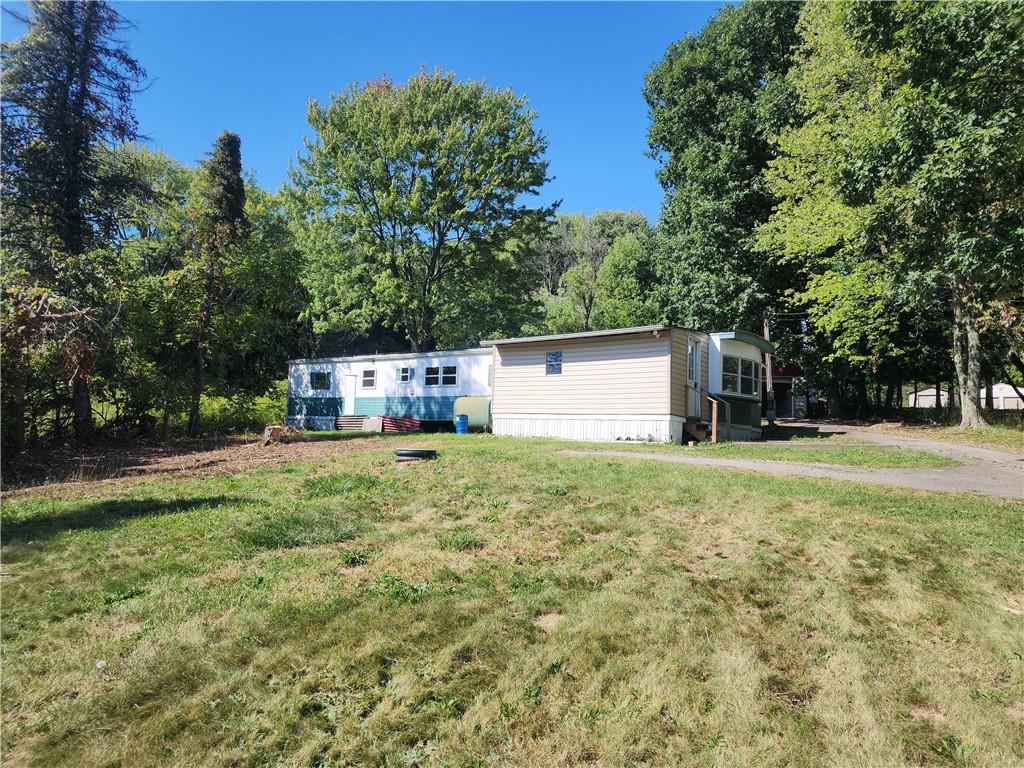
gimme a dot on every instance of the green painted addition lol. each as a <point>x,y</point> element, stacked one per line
<point>744,412</point>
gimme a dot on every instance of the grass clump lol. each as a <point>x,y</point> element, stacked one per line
<point>396,588</point>
<point>460,539</point>
<point>338,484</point>
<point>354,557</point>
<point>297,529</point>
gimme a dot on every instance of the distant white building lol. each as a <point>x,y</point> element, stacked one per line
<point>925,398</point>
<point>1004,398</point>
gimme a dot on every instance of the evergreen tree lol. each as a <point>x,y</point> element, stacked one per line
<point>221,221</point>
<point>67,99</point>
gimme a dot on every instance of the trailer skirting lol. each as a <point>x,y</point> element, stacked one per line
<point>598,427</point>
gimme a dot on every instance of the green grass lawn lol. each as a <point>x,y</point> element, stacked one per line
<point>816,451</point>
<point>510,605</point>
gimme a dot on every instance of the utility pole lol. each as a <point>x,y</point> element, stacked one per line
<point>769,386</point>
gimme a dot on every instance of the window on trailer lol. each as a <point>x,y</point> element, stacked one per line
<point>432,377</point>
<point>320,380</point>
<point>553,365</point>
<point>741,376</point>
<point>448,376</point>
<point>405,374</point>
<point>369,379</point>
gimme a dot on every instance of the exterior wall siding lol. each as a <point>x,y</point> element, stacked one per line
<point>625,375</point>
<point>424,408</point>
<point>680,353</point>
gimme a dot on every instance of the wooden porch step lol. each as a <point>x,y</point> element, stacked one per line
<point>349,423</point>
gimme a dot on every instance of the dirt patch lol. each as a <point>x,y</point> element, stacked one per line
<point>195,457</point>
<point>928,713</point>
<point>548,621</point>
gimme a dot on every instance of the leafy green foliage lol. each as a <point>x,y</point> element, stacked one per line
<point>715,99</point>
<point>407,204</point>
<point>602,270</point>
<point>906,165</point>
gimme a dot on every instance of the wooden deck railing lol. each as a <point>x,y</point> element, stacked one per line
<point>716,403</point>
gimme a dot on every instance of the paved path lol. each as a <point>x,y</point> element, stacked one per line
<point>985,471</point>
<point>961,451</point>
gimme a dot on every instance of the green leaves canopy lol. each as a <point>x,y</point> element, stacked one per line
<point>409,206</point>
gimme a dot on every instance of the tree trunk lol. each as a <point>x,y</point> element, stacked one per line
<point>81,405</point>
<point>990,402</point>
<point>835,405</point>
<point>195,398</point>
<point>967,359</point>
<point>938,395</point>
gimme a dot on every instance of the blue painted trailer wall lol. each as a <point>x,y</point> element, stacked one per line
<point>424,408</point>
<point>315,406</point>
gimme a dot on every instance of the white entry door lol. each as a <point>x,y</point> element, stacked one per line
<point>693,379</point>
<point>348,394</point>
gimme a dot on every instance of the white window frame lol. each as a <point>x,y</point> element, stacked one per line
<point>406,374</point>
<point>373,378</point>
<point>445,375</point>
<point>553,363</point>
<point>436,376</point>
<point>327,381</point>
<point>732,367</point>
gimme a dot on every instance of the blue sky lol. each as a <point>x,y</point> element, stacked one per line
<point>251,67</point>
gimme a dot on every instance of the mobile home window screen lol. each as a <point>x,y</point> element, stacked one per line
<point>433,376</point>
<point>448,376</point>
<point>369,379</point>
<point>553,364</point>
<point>320,380</point>
<point>741,376</point>
<point>405,374</point>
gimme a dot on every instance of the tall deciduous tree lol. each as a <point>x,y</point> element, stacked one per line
<point>909,159</point>
<point>408,202</point>
<point>573,255</point>
<point>68,85</point>
<point>715,98</point>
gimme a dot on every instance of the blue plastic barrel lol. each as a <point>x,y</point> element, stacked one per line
<point>462,424</point>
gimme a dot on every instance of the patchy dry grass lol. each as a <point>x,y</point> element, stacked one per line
<point>509,605</point>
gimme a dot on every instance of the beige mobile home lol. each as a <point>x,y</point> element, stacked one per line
<point>643,384</point>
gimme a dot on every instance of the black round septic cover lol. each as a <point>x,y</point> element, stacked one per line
<point>415,453</point>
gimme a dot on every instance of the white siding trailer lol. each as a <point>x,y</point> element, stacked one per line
<point>421,385</point>
<point>644,384</point>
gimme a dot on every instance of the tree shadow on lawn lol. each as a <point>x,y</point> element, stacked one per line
<point>794,432</point>
<point>104,514</point>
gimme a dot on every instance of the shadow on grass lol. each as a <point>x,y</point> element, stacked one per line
<point>106,514</point>
<point>788,432</point>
